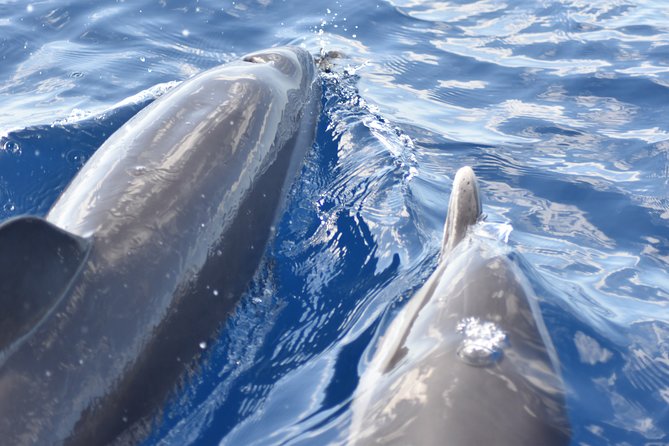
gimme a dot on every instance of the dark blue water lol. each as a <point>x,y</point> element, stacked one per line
<point>560,106</point>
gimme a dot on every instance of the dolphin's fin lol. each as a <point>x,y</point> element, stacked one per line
<point>37,263</point>
<point>464,208</point>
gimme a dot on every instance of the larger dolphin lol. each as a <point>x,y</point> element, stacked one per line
<point>468,361</point>
<point>106,302</point>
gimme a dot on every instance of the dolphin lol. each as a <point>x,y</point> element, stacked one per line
<point>468,360</point>
<point>109,300</point>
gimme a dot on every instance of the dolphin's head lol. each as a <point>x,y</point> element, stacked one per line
<point>464,208</point>
<point>292,61</point>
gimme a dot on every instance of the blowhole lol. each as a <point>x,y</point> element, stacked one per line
<point>254,59</point>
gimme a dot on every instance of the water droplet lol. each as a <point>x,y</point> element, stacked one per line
<point>142,59</point>
<point>30,8</point>
<point>76,157</point>
<point>215,292</point>
<point>203,345</point>
<point>48,373</point>
<point>256,300</point>
<point>185,33</point>
<point>482,342</point>
<point>12,147</point>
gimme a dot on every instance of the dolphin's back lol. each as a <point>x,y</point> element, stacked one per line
<point>431,390</point>
<point>239,112</point>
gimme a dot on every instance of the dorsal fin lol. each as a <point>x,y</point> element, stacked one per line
<point>37,262</point>
<point>464,208</point>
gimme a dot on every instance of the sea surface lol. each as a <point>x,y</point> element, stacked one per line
<point>561,108</point>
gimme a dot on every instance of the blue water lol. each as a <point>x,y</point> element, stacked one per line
<point>560,106</point>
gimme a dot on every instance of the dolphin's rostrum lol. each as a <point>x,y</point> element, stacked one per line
<point>468,360</point>
<point>107,301</point>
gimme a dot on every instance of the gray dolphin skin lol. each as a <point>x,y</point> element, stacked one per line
<point>107,302</point>
<point>468,360</point>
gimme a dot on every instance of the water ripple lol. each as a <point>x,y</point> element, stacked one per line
<point>560,107</point>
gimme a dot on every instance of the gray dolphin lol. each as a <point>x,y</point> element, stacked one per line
<point>107,302</point>
<point>467,361</point>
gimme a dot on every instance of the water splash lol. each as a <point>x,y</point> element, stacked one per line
<point>482,342</point>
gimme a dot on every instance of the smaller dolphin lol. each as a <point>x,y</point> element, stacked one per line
<point>468,360</point>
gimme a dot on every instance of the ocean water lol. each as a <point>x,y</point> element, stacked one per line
<point>559,106</point>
